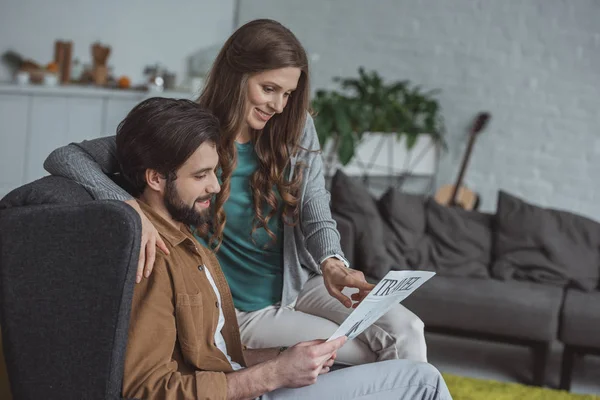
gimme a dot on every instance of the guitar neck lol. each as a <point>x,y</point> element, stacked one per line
<point>463,168</point>
<point>480,122</point>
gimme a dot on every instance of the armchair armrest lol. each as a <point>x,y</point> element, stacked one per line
<point>67,273</point>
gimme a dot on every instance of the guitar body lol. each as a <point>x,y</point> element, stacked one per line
<point>458,195</point>
<point>465,197</point>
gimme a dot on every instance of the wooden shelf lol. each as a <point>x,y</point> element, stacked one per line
<point>87,91</point>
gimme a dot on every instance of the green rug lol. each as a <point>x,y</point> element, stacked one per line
<point>463,388</point>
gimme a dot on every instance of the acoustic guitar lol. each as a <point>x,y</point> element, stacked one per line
<point>458,195</point>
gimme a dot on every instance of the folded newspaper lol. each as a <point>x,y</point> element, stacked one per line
<point>391,290</point>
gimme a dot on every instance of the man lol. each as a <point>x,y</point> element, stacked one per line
<point>184,341</point>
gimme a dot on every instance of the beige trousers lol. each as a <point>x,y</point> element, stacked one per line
<point>399,334</point>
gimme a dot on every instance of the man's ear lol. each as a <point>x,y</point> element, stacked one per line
<point>155,180</point>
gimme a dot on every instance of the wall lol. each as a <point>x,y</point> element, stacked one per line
<point>139,32</point>
<point>535,65</point>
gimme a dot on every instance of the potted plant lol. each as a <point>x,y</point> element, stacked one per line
<point>367,105</point>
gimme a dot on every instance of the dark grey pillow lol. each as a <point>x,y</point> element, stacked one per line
<point>404,215</point>
<point>352,200</point>
<point>545,245</point>
<point>460,241</point>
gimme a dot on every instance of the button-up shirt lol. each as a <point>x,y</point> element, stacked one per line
<point>171,351</point>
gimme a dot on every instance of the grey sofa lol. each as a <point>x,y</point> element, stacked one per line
<point>67,271</point>
<point>524,275</point>
<point>579,330</point>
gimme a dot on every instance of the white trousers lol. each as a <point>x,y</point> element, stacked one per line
<point>399,334</point>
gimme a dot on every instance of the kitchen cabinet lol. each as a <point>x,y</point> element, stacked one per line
<point>34,120</point>
<point>13,140</point>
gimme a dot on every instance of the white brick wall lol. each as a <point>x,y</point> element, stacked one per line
<point>534,64</point>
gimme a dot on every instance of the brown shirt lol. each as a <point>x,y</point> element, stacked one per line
<point>171,352</point>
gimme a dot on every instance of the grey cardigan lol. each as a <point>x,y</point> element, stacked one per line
<point>305,246</point>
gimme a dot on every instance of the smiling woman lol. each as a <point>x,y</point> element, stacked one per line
<point>271,226</point>
<point>268,94</point>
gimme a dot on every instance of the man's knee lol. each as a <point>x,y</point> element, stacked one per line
<point>428,377</point>
<point>410,369</point>
<point>427,371</point>
<point>422,377</point>
<point>431,377</point>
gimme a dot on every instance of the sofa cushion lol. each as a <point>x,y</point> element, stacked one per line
<point>430,236</point>
<point>405,221</point>
<point>460,241</point>
<point>406,214</point>
<point>516,309</point>
<point>352,200</point>
<point>545,245</point>
<point>580,319</point>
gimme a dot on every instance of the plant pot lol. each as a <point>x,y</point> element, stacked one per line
<point>383,154</point>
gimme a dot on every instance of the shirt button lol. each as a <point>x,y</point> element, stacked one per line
<point>217,304</point>
<point>200,267</point>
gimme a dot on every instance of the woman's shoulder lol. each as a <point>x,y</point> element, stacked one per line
<point>309,140</point>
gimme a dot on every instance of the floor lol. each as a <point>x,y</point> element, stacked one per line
<point>502,362</point>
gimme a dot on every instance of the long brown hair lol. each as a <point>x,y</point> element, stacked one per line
<point>258,46</point>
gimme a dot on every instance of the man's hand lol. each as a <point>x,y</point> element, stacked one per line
<point>337,276</point>
<point>301,364</point>
<point>297,366</point>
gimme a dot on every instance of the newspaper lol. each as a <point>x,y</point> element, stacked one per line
<point>391,290</point>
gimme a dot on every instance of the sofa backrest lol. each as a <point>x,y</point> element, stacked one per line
<point>47,190</point>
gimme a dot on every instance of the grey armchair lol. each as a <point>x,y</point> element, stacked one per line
<point>67,272</point>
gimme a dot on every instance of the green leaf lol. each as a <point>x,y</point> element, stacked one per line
<point>346,149</point>
<point>397,89</point>
<point>323,125</point>
<point>342,119</point>
<point>411,140</point>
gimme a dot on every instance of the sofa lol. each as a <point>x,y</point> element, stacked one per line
<point>67,272</point>
<point>579,330</point>
<point>523,275</point>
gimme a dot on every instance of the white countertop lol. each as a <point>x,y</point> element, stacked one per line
<point>87,91</point>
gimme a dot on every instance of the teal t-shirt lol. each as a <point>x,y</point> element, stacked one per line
<point>254,272</point>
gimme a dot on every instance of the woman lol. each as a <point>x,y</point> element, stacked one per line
<point>278,246</point>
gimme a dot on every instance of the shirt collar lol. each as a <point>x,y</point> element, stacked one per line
<point>173,235</point>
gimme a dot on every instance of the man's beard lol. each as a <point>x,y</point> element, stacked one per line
<point>180,211</point>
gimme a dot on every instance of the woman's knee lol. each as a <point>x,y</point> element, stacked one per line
<point>416,325</point>
<point>405,336</point>
<point>403,322</point>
